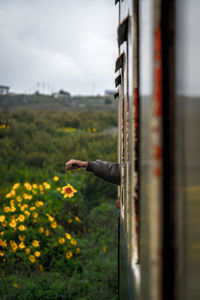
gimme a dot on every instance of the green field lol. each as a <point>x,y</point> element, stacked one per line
<point>71,242</point>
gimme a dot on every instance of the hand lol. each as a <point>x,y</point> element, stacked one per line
<point>75,164</point>
<point>117,203</point>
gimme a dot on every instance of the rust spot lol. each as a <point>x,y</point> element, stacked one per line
<point>158,91</point>
<point>157,171</point>
<point>158,152</point>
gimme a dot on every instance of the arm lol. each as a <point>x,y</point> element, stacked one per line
<point>106,170</point>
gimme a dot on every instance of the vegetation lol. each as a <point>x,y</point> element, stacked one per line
<point>58,229</point>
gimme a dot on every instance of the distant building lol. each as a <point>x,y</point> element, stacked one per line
<point>4,90</point>
<point>109,92</point>
<point>62,93</point>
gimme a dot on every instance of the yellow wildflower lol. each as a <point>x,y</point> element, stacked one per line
<point>35,215</point>
<point>3,243</point>
<point>27,213</point>
<point>73,242</point>
<point>21,245</point>
<point>58,189</point>
<point>12,202</point>
<point>15,186</point>
<point>2,218</point>
<point>13,245</point>
<point>78,250</point>
<point>46,185</point>
<point>69,221</point>
<point>19,199</point>
<point>32,258</point>
<point>41,268</point>
<point>37,253</point>
<point>16,285</point>
<point>13,224</point>
<point>39,203</point>
<point>27,250</point>
<point>41,230</point>
<point>61,241</point>
<point>6,209</point>
<point>36,243</point>
<point>21,218</point>
<point>2,253</point>
<point>12,209</point>
<point>32,208</point>
<point>27,197</point>
<point>68,191</point>
<point>68,236</point>
<point>54,225</point>
<point>69,254</point>
<point>2,233</point>
<point>22,227</point>
<point>28,186</point>
<point>21,237</point>
<point>34,186</point>
<point>77,219</point>
<point>104,249</point>
<point>5,223</point>
<point>56,178</point>
<point>47,232</point>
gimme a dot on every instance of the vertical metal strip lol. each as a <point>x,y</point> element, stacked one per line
<point>156,170</point>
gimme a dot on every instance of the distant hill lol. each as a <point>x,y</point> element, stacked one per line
<point>45,102</point>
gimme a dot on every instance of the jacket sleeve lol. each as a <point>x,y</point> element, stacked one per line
<point>106,170</point>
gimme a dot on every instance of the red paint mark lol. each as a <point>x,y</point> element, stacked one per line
<point>158,152</point>
<point>157,171</point>
<point>158,44</point>
<point>135,102</point>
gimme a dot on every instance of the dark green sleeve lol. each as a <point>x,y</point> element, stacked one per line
<point>106,170</point>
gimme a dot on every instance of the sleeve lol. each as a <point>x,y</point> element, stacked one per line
<point>106,170</point>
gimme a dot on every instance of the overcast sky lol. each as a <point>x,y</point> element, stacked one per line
<point>67,44</point>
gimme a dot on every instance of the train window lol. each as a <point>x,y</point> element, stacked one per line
<point>188,143</point>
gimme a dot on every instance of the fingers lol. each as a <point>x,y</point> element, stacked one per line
<point>72,164</point>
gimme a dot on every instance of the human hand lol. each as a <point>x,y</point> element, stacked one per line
<point>75,164</point>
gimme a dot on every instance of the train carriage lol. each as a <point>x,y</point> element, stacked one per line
<point>159,107</point>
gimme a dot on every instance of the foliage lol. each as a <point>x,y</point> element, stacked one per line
<point>34,147</point>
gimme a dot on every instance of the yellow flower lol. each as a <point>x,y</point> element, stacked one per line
<point>13,224</point>
<point>6,209</point>
<point>27,250</point>
<point>69,221</point>
<point>19,199</point>
<point>77,219</point>
<point>37,253</point>
<point>41,230</point>
<point>32,258</point>
<point>27,197</point>
<point>11,194</point>
<point>68,191</point>
<point>32,208</point>
<point>36,243</point>
<point>15,186</point>
<point>56,178</point>
<point>12,202</point>
<point>68,236</point>
<point>54,225</point>
<point>2,233</point>
<point>39,203</point>
<point>2,253</point>
<point>16,285</point>
<point>34,186</point>
<point>46,185</point>
<point>8,195</point>
<point>21,245</point>
<point>28,186</point>
<point>2,218</point>
<point>69,254</point>
<point>104,249</point>
<point>13,245</point>
<point>51,219</point>
<point>73,242</point>
<point>3,243</point>
<point>78,250</point>
<point>41,268</point>
<point>21,237</point>
<point>35,215</point>
<point>21,218</point>
<point>5,223</point>
<point>58,189</point>
<point>22,227</point>
<point>47,232</point>
<point>27,213</point>
<point>12,209</point>
<point>61,241</point>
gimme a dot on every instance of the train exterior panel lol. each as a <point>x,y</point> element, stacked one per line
<point>159,116</point>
